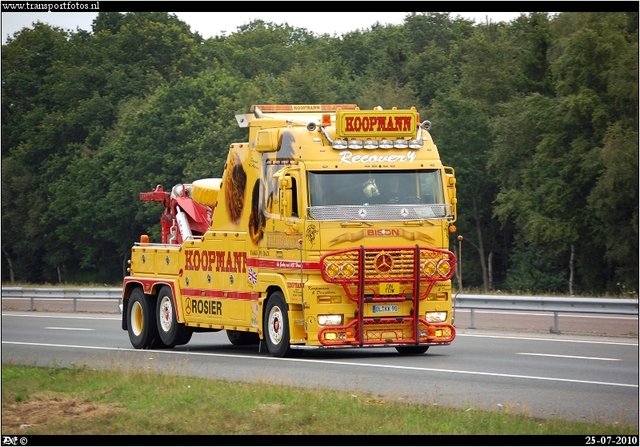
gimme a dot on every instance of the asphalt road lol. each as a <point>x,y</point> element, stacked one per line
<point>587,377</point>
<point>526,322</point>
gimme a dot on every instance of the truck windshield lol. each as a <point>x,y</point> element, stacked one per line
<point>375,188</point>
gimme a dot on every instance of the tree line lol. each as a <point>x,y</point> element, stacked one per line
<point>538,117</point>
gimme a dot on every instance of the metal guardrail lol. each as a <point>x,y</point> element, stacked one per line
<point>620,306</point>
<point>462,301</point>
<point>60,294</point>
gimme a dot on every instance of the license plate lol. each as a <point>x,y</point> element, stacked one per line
<point>380,309</point>
<point>389,288</point>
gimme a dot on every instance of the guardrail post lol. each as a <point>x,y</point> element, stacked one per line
<point>473,319</point>
<point>555,323</point>
<point>74,304</point>
<point>31,301</point>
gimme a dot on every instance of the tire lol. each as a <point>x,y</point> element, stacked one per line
<point>142,329</point>
<point>171,332</point>
<point>276,327</point>
<point>238,338</point>
<point>412,350</point>
<point>186,336</point>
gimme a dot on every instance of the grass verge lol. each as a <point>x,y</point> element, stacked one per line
<point>58,401</point>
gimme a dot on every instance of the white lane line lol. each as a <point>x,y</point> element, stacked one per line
<point>459,334</point>
<point>70,328</point>
<point>565,340</point>
<point>327,362</point>
<point>60,316</point>
<point>549,313</point>
<point>569,356</point>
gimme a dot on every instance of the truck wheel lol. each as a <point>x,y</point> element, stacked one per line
<point>171,332</point>
<point>142,328</point>
<point>238,338</point>
<point>412,350</point>
<point>276,327</point>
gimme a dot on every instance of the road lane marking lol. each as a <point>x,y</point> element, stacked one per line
<point>70,328</point>
<point>458,334</point>
<point>566,340</point>
<point>569,356</point>
<point>548,313</point>
<point>326,362</point>
<point>73,317</point>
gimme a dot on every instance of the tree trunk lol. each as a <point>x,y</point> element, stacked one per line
<point>571,267</point>
<point>490,266</point>
<point>480,246</point>
<point>11,277</point>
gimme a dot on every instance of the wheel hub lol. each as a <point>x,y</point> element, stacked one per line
<point>275,328</point>
<point>165,314</point>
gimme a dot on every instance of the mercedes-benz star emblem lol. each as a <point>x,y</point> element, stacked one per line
<point>383,262</point>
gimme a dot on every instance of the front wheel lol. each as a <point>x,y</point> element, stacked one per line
<point>276,327</point>
<point>412,350</point>
<point>171,332</point>
<point>143,332</point>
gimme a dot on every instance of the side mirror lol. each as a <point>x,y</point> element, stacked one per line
<point>450,177</point>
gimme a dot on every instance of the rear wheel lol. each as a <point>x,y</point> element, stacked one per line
<point>143,332</point>
<point>171,332</point>
<point>276,327</point>
<point>238,338</point>
<point>412,350</point>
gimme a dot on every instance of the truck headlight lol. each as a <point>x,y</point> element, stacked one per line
<point>330,320</point>
<point>436,317</point>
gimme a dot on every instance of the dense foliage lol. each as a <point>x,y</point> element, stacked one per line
<point>538,116</point>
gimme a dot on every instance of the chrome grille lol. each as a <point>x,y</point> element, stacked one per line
<point>382,263</point>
